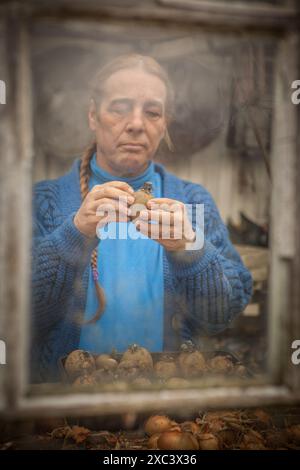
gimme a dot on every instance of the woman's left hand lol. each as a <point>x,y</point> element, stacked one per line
<point>170,225</point>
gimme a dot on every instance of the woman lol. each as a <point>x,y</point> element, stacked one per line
<point>135,287</point>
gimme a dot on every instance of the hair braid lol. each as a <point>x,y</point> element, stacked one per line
<point>84,177</point>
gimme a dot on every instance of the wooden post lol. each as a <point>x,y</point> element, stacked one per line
<point>283,208</point>
<point>18,150</point>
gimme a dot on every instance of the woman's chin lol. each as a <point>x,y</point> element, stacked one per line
<point>133,165</point>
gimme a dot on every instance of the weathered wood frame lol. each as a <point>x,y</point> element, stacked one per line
<point>283,382</point>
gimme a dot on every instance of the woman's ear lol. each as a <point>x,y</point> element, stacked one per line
<point>92,116</point>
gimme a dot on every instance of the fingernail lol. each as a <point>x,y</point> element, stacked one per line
<point>130,199</point>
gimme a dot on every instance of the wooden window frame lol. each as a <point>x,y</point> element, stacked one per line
<point>282,385</point>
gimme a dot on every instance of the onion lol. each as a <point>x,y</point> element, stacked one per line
<point>141,382</point>
<point>165,368</point>
<point>177,382</point>
<point>221,364</point>
<point>208,441</point>
<point>191,362</point>
<point>85,380</point>
<point>104,361</point>
<point>79,362</point>
<point>158,424</point>
<point>190,426</point>
<point>140,356</point>
<point>176,440</point>
<point>241,370</point>
<point>141,197</point>
<point>253,440</point>
<point>128,369</point>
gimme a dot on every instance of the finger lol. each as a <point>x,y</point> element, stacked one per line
<point>171,206</point>
<point>116,184</point>
<point>164,200</point>
<point>109,204</point>
<point>113,193</point>
<point>171,219</point>
<point>115,212</point>
<point>157,231</point>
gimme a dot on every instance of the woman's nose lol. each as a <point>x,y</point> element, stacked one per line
<point>135,121</point>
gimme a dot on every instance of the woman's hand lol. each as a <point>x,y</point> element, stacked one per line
<point>171,228</point>
<point>105,203</point>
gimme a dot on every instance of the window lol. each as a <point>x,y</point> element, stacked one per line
<point>244,152</point>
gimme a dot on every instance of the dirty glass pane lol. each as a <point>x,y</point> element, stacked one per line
<point>218,146</point>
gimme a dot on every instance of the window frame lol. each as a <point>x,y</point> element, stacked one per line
<point>282,385</point>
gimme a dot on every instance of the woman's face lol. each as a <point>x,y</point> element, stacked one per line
<point>130,122</point>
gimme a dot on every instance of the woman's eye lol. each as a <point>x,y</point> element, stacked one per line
<point>119,109</point>
<point>153,114</point>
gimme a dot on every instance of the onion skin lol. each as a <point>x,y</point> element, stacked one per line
<point>157,424</point>
<point>177,440</point>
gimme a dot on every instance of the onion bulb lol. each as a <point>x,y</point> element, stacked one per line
<point>85,380</point>
<point>158,424</point>
<point>140,356</point>
<point>221,364</point>
<point>165,368</point>
<point>141,197</point>
<point>208,441</point>
<point>79,362</point>
<point>191,362</point>
<point>177,440</point>
<point>106,362</point>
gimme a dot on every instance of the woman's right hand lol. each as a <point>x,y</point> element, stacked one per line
<point>110,201</point>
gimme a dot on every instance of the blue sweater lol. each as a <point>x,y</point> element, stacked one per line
<point>131,274</point>
<point>203,290</point>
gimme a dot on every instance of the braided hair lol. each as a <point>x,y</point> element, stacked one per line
<point>122,62</point>
<point>84,176</point>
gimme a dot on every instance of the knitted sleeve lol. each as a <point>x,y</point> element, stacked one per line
<point>59,253</point>
<point>211,285</point>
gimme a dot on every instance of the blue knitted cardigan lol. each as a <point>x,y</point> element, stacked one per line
<point>204,290</point>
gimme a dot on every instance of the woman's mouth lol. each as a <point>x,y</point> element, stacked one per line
<point>133,147</point>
